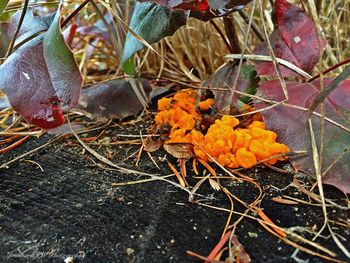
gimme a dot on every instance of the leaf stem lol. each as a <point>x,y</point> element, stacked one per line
<point>20,22</point>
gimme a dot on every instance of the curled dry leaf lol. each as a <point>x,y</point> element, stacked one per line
<point>179,150</point>
<point>152,144</point>
<point>241,252</point>
<point>214,184</point>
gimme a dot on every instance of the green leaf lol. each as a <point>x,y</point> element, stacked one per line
<point>3,4</point>
<point>129,67</point>
<point>5,17</point>
<point>60,62</point>
<point>249,73</point>
<point>152,23</point>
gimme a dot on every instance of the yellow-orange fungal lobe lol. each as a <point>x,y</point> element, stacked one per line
<point>229,146</point>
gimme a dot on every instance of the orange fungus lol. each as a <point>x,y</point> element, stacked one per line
<point>223,142</point>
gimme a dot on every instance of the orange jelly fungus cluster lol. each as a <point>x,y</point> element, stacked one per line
<point>228,146</point>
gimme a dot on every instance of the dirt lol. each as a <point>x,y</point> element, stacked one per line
<point>71,209</point>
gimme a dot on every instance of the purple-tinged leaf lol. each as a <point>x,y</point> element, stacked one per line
<point>37,83</point>
<point>291,125</point>
<point>98,29</point>
<point>26,81</point>
<point>113,99</point>
<point>4,102</point>
<point>31,26</point>
<point>333,85</point>
<point>295,40</point>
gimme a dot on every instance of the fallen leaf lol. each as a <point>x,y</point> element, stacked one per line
<point>67,129</point>
<point>295,40</point>
<point>113,99</point>
<point>152,144</point>
<point>179,150</point>
<point>241,252</point>
<point>291,125</point>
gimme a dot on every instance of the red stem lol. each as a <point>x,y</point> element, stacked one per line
<point>71,35</point>
<point>346,61</point>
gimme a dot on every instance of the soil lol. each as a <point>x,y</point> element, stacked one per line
<point>71,209</point>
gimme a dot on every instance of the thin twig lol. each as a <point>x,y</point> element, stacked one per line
<point>20,22</point>
<point>231,34</point>
<point>255,27</point>
<point>217,28</point>
<point>76,11</point>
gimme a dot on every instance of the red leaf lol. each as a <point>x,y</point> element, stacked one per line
<point>219,8</point>
<point>295,40</point>
<point>292,127</point>
<point>196,5</point>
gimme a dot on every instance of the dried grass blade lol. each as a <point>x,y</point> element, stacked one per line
<point>269,58</point>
